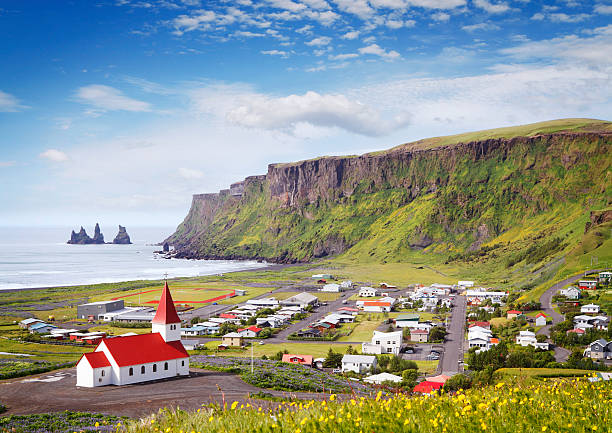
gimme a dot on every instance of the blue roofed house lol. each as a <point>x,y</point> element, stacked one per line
<point>41,328</point>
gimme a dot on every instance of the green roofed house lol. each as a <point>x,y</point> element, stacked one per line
<point>403,320</point>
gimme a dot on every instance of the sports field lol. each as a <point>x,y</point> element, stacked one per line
<point>193,296</point>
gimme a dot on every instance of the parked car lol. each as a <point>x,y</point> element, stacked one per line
<point>345,302</point>
<point>337,370</point>
<point>409,350</point>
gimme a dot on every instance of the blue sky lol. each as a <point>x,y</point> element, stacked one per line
<point>118,111</point>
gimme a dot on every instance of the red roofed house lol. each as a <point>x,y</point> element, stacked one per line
<point>485,325</point>
<point>540,319</point>
<point>427,387</point>
<point>298,359</point>
<point>377,306</point>
<point>250,332</point>
<point>513,314</point>
<point>138,358</point>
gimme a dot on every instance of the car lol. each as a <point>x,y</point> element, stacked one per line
<point>337,370</point>
<point>433,357</point>
<point>409,350</point>
<point>345,302</point>
<point>261,342</point>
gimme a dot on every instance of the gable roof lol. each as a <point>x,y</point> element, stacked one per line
<point>541,315</point>
<point>253,328</point>
<point>376,304</point>
<point>359,359</point>
<point>143,349</point>
<point>514,312</point>
<point>426,387</point>
<point>96,359</point>
<point>301,359</point>
<point>166,313</point>
<point>28,321</point>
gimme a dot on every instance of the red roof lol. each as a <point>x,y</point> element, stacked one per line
<point>514,312</point>
<point>143,349</point>
<point>481,324</point>
<point>347,309</point>
<point>576,331</point>
<point>494,340</point>
<point>298,359</point>
<point>540,315</point>
<point>166,313</point>
<point>96,359</point>
<point>376,304</point>
<point>419,331</point>
<point>427,387</point>
<point>227,316</point>
<point>253,328</point>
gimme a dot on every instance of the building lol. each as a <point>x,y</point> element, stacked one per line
<point>138,358</point>
<point>358,363</point>
<point>298,359</point>
<point>41,328</point>
<point>513,314</point>
<point>590,309</point>
<point>481,295</point>
<point>233,339</point>
<point>250,332</point>
<point>302,300</point>
<point>571,292</point>
<point>346,284</point>
<point>526,338</point>
<point>599,349</point>
<point>322,277</point>
<point>383,377</point>
<point>386,286</point>
<point>540,319</point>
<point>419,335</point>
<point>605,277</point>
<point>368,292</point>
<point>465,284</point>
<point>264,303</point>
<point>404,320</point>
<point>94,310</point>
<point>29,322</point>
<point>587,284</point>
<point>332,288</point>
<point>377,306</point>
<point>384,342</point>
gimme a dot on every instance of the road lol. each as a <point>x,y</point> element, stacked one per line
<point>453,346</point>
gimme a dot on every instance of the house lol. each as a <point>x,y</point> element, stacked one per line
<point>526,338</point>
<point>264,302</point>
<point>377,306</point>
<point>368,292</point>
<point>95,310</point>
<point>41,328</point>
<point>465,284</point>
<point>587,284</point>
<point>419,335</point>
<point>309,333</point>
<point>331,288</point>
<point>232,339</point>
<point>590,309</point>
<point>302,300</point>
<point>540,319</point>
<point>318,363</point>
<point>346,284</point>
<point>605,277</point>
<point>298,359</point>
<point>571,292</point>
<point>383,377</point>
<point>480,295</point>
<point>480,324</point>
<point>404,320</point>
<point>577,331</point>
<point>138,358</point>
<point>599,349</point>
<point>322,276</point>
<point>272,321</point>
<point>427,387</point>
<point>386,286</point>
<point>191,344</point>
<point>384,342</point>
<point>601,322</point>
<point>250,332</point>
<point>358,363</point>
<point>513,314</point>
<point>29,322</point>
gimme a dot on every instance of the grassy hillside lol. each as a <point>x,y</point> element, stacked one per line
<point>542,407</point>
<point>510,208</point>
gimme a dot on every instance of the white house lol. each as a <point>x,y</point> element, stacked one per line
<point>383,377</point>
<point>526,338</point>
<point>264,303</point>
<point>605,277</point>
<point>41,328</point>
<point>465,284</point>
<point>346,284</point>
<point>540,319</point>
<point>384,342</point>
<point>377,306</point>
<point>332,288</point>
<point>138,358</point>
<point>587,284</point>
<point>368,292</point>
<point>302,300</point>
<point>250,332</point>
<point>590,309</point>
<point>495,297</point>
<point>572,292</point>
<point>358,363</point>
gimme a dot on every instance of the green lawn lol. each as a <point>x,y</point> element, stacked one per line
<point>113,330</point>
<point>363,330</point>
<point>543,372</point>
<point>42,352</point>
<point>306,348</point>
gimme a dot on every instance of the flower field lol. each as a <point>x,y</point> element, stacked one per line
<point>568,405</point>
<point>63,422</point>
<point>281,375</point>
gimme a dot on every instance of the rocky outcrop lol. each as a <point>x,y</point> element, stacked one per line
<point>122,237</point>
<point>597,218</point>
<point>82,238</point>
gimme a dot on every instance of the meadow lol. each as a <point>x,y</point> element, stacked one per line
<point>504,408</point>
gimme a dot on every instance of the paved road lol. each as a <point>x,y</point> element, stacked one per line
<point>453,346</point>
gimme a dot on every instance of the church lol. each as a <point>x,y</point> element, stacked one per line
<point>138,358</point>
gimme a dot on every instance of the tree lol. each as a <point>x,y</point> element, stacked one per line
<point>541,338</point>
<point>265,333</point>
<point>409,378</point>
<point>333,359</point>
<point>457,382</point>
<point>437,333</point>
<point>350,350</point>
<point>195,320</point>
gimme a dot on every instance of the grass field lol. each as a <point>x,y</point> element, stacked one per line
<point>113,330</point>
<point>543,372</point>
<point>304,348</point>
<point>363,330</point>
<point>42,352</point>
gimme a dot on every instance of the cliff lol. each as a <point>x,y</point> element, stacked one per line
<point>442,196</point>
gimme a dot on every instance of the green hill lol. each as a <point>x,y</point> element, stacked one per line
<point>509,204</point>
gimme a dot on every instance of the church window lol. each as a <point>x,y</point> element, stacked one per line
<point>182,363</point>
<point>154,368</point>
<point>142,370</point>
<point>131,371</point>
<point>165,365</point>
<point>103,372</point>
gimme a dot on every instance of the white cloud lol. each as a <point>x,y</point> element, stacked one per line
<point>108,98</point>
<point>4,164</point>
<point>189,173</point>
<point>8,103</point>
<point>376,50</point>
<point>275,53</point>
<point>480,26</point>
<point>398,24</point>
<point>344,56</point>
<point>496,8</point>
<point>351,35</point>
<point>441,16</point>
<point>306,30</point>
<point>317,4</point>
<point>360,8</point>
<point>54,155</point>
<point>287,5</point>
<point>603,9</point>
<point>437,4</point>
<point>559,17</point>
<point>320,41</point>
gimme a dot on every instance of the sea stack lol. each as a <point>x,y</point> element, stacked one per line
<point>82,238</point>
<point>98,237</point>
<point>122,237</point>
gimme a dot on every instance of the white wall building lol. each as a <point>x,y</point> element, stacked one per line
<point>368,292</point>
<point>590,309</point>
<point>358,363</point>
<point>384,342</point>
<point>138,358</point>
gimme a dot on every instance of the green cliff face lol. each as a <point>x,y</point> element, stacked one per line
<point>506,196</point>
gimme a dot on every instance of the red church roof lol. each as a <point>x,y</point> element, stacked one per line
<point>96,359</point>
<point>143,349</point>
<point>166,313</point>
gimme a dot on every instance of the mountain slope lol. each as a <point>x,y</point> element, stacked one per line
<point>512,196</point>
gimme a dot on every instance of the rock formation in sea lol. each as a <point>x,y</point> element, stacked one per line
<point>82,238</point>
<point>122,237</point>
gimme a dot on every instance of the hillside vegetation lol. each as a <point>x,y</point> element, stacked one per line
<point>552,407</point>
<point>513,204</point>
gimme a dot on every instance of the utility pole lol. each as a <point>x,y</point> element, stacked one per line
<point>252,344</point>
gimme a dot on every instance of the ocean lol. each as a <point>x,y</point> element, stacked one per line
<point>40,257</point>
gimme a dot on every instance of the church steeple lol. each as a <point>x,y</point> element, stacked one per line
<point>166,320</point>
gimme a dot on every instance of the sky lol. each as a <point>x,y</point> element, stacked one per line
<point>118,111</point>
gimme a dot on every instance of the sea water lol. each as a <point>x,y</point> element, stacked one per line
<point>40,257</point>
